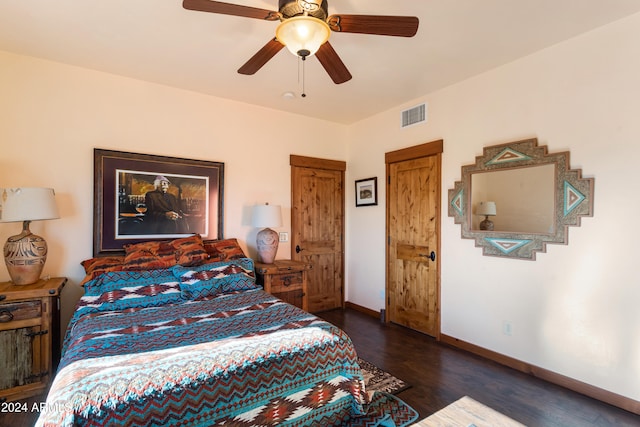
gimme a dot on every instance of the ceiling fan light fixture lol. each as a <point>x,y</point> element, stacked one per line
<point>303,35</point>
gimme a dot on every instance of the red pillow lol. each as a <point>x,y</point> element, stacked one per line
<point>190,250</point>
<point>222,250</point>
<point>102,263</point>
<point>149,256</point>
<point>94,267</point>
<point>187,251</point>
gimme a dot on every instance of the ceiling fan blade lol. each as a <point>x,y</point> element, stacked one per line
<point>230,9</point>
<point>261,57</point>
<point>401,26</point>
<point>333,64</point>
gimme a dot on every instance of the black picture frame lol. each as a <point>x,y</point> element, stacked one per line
<point>367,192</point>
<point>121,183</point>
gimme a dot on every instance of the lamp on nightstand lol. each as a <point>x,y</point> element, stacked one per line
<point>267,240</point>
<point>26,253</point>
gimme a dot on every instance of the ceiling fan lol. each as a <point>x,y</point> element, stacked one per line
<point>304,29</point>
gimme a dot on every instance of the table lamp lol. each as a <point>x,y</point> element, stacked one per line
<point>26,253</point>
<point>267,240</point>
<point>487,209</point>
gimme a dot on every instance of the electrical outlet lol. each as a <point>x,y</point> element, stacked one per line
<point>507,328</point>
<point>284,236</point>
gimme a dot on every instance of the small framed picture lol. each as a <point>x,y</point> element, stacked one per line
<point>367,192</point>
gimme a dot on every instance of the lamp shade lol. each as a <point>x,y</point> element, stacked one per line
<point>303,35</point>
<point>26,253</point>
<point>486,209</point>
<point>27,204</point>
<point>266,216</point>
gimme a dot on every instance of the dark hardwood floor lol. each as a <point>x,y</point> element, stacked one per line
<point>440,374</point>
<point>25,415</point>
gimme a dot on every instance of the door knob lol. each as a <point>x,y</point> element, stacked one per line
<point>431,256</point>
<point>298,249</point>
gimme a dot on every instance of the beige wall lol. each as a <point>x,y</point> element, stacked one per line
<point>574,310</point>
<point>52,116</point>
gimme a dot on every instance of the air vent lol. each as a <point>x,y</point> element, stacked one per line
<point>414,116</point>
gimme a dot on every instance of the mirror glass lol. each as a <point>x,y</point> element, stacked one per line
<point>524,199</point>
<point>517,198</point>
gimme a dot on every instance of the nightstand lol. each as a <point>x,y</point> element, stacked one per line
<point>29,337</point>
<point>285,279</point>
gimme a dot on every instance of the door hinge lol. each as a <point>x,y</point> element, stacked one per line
<point>35,334</point>
<point>37,376</point>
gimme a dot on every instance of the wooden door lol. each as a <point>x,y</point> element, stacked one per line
<point>413,223</point>
<point>317,227</point>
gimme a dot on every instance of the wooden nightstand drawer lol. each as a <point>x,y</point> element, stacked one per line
<point>285,279</point>
<point>286,282</point>
<point>20,311</point>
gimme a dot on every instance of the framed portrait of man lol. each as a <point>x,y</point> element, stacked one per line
<point>141,197</point>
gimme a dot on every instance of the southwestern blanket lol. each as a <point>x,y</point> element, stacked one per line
<point>140,352</point>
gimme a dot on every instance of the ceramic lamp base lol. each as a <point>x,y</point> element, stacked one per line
<point>486,225</point>
<point>25,255</point>
<point>267,241</point>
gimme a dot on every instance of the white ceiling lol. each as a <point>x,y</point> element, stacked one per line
<point>159,41</point>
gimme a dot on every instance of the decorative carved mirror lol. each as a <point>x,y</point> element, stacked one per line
<point>517,198</point>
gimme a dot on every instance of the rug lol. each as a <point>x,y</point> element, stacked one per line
<point>376,379</point>
<point>385,410</point>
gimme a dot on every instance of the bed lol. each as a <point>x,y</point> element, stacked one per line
<point>194,341</point>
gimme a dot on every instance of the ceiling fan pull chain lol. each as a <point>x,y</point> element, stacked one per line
<point>301,66</point>
<point>304,59</point>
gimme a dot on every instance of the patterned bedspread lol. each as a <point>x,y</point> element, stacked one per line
<point>137,352</point>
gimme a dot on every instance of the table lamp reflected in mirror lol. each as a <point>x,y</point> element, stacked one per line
<point>486,209</point>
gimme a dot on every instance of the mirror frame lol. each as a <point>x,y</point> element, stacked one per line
<point>573,199</point>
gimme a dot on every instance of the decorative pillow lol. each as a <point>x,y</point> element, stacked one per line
<point>165,254</point>
<point>190,250</point>
<point>94,267</point>
<point>120,290</point>
<point>149,256</point>
<point>216,278</point>
<point>222,250</point>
